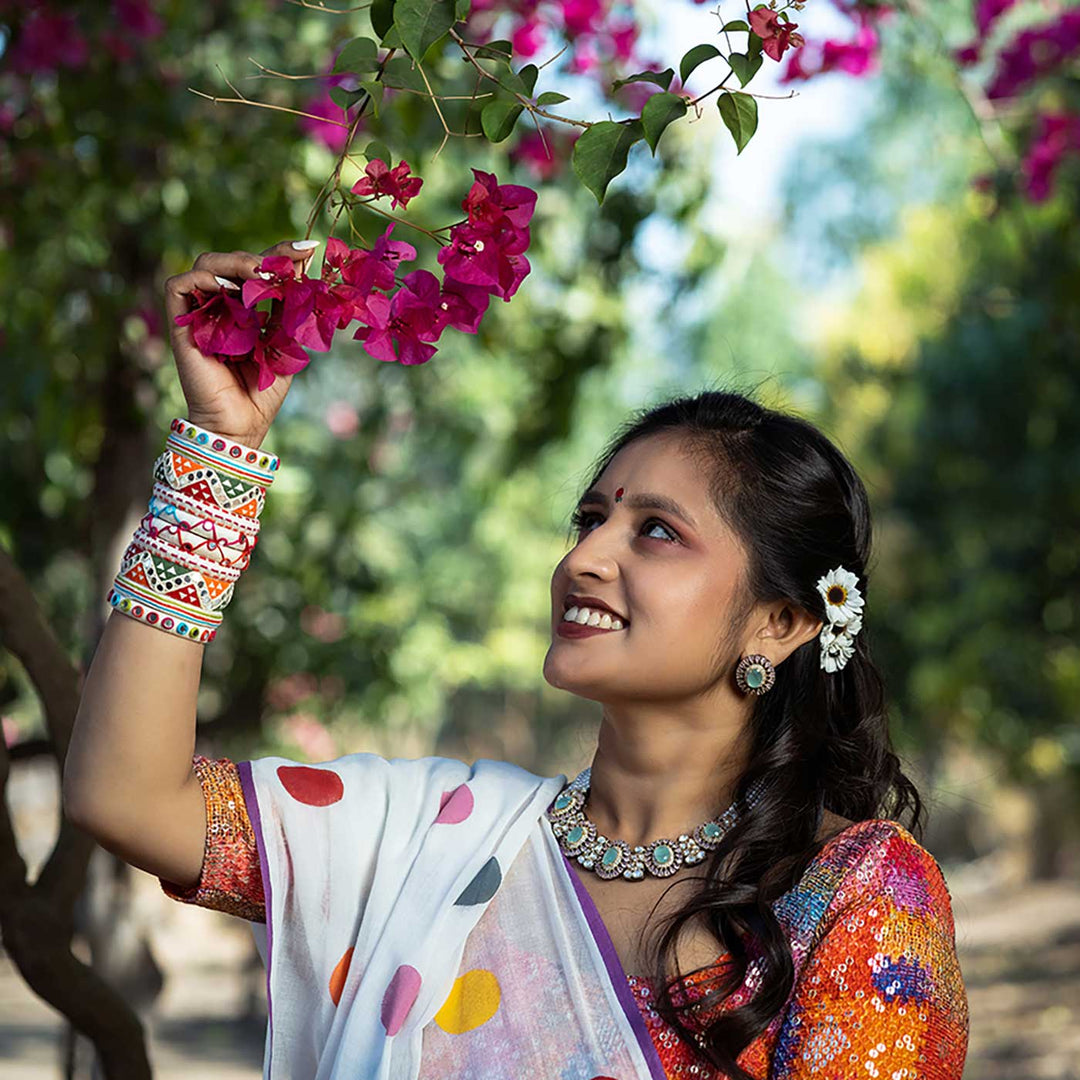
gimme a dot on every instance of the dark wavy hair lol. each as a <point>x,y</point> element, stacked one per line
<point>820,740</point>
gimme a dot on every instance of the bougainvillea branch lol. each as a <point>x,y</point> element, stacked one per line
<point>400,317</point>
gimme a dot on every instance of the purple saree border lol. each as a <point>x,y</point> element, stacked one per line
<point>251,802</point>
<point>616,973</point>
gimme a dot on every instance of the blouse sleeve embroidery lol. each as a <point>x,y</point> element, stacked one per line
<point>231,879</point>
<point>881,994</point>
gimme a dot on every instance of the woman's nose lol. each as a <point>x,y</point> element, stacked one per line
<point>593,554</point>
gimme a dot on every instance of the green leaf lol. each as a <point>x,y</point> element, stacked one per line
<point>550,97</point>
<point>421,23</point>
<point>360,54</point>
<point>376,149</point>
<point>400,72</point>
<point>499,117</point>
<point>392,39</point>
<point>375,90</point>
<point>382,17</point>
<point>600,153</point>
<point>493,50</point>
<point>745,67</point>
<point>659,111</point>
<point>754,45</point>
<point>345,98</point>
<point>462,9</point>
<point>695,57</point>
<point>528,76</point>
<point>735,24</point>
<point>660,78</point>
<point>740,114</point>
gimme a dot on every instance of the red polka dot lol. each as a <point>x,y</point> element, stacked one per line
<point>399,998</point>
<point>337,979</point>
<point>455,806</point>
<point>315,787</point>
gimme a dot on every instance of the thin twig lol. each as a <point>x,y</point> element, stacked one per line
<point>369,205</point>
<point>524,101</point>
<point>264,105</point>
<point>330,11</point>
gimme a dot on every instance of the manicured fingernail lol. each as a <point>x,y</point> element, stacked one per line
<point>305,245</point>
<point>225,283</point>
<point>264,273</point>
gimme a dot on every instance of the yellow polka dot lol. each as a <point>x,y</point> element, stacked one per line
<point>473,1001</point>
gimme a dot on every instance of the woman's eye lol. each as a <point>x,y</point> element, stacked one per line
<point>582,519</point>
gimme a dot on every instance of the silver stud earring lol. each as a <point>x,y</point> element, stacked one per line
<point>755,674</point>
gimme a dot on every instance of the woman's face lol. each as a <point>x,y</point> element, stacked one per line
<point>674,582</point>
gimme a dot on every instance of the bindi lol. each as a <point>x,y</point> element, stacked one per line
<point>619,495</point>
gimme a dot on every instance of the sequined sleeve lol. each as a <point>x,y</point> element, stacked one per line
<point>231,879</point>
<point>881,994</point>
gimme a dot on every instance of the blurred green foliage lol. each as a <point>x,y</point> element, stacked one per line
<point>399,595</point>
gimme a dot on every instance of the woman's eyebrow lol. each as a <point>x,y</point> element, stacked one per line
<point>641,501</point>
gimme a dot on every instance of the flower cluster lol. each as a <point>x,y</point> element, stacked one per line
<point>51,39</point>
<point>843,608</point>
<point>776,35</point>
<point>399,320</point>
<point>1035,53</point>
<point>1057,136</point>
<point>599,37</point>
<point>857,56</point>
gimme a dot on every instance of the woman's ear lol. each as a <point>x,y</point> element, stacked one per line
<point>786,626</point>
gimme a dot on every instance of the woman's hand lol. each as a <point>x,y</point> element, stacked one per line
<point>224,397</point>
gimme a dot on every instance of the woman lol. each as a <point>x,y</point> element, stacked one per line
<point>727,891</point>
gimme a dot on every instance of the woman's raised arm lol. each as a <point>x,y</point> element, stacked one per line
<point>128,776</point>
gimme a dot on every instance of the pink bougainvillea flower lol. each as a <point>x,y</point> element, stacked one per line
<point>528,37</point>
<point>313,324</point>
<point>408,318</point>
<point>1057,136</point>
<point>278,354</point>
<point>221,324</point>
<point>1033,53</point>
<point>48,41</point>
<point>777,36</point>
<point>377,268</point>
<point>581,16</point>
<point>544,155</point>
<point>857,57</point>
<point>332,135</point>
<point>488,201</point>
<point>282,269</point>
<point>987,12</point>
<point>462,306</point>
<point>380,180</point>
<point>138,17</point>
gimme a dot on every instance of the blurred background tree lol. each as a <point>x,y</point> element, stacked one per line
<point>914,297</point>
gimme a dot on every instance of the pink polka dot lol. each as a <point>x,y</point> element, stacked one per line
<point>399,998</point>
<point>455,806</point>
<point>314,787</point>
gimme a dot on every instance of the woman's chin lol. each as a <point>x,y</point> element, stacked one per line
<point>574,678</point>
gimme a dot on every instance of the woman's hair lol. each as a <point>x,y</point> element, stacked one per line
<point>819,739</point>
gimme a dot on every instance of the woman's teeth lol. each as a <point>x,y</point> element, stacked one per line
<point>591,617</point>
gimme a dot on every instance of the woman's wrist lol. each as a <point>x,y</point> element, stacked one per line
<point>180,568</point>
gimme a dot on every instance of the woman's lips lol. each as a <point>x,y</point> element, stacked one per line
<point>569,629</point>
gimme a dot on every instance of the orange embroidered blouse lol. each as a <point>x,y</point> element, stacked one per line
<point>878,990</point>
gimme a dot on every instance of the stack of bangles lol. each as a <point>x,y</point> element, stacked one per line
<point>197,537</point>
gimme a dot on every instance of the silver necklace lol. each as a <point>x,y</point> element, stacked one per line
<point>609,859</point>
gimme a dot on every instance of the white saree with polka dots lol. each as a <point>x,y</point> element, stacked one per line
<point>423,923</point>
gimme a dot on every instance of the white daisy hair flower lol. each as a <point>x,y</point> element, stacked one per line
<point>839,589</point>
<point>844,608</point>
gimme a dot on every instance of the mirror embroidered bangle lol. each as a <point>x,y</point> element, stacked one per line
<point>189,550</point>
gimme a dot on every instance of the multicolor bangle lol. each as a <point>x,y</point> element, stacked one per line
<point>180,567</point>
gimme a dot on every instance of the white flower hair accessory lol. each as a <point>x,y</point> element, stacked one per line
<point>839,589</point>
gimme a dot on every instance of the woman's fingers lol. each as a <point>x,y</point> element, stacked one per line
<point>213,269</point>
